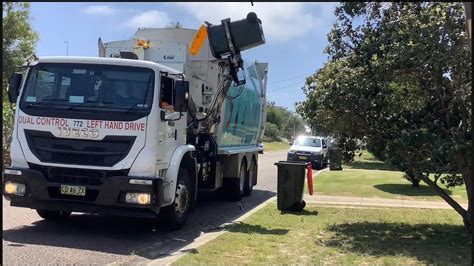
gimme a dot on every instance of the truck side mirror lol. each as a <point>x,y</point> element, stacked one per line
<point>181,90</point>
<point>14,87</point>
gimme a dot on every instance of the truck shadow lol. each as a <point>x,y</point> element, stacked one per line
<point>128,236</point>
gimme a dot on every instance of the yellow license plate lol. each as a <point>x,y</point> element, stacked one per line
<point>303,157</point>
<point>73,190</point>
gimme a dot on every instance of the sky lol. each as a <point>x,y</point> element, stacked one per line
<point>295,33</point>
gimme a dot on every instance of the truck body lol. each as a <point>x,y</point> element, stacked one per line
<point>135,137</point>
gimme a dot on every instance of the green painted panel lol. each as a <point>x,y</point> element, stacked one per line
<point>241,117</point>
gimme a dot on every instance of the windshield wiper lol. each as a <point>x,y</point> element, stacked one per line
<point>44,101</point>
<point>97,101</point>
<point>53,100</point>
<point>34,104</point>
<point>134,106</point>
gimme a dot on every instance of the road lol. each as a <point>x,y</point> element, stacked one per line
<point>93,239</point>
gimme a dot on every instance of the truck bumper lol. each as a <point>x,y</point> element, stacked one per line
<point>107,198</point>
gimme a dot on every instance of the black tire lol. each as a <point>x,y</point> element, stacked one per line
<point>174,216</point>
<point>251,176</point>
<point>236,186</point>
<point>320,164</point>
<point>53,215</point>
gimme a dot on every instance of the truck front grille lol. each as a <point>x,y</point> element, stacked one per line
<point>76,176</point>
<point>106,152</point>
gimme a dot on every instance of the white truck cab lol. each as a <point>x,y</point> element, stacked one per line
<point>139,136</point>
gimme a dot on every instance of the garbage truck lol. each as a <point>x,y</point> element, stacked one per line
<point>143,128</point>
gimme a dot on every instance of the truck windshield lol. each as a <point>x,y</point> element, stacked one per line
<point>87,86</point>
<point>308,142</point>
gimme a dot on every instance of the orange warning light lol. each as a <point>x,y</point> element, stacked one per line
<point>143,43</point>
<point>198,40</point>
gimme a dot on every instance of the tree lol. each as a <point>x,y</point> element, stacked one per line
<point>271,132</point>
<point>399,74</point>
<point>294,126</point>
<point>277,115</point>
<point>19,40</point>
<point>287,123</point>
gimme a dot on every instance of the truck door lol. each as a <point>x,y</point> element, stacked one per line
<point>175,122</point>
<point>324,148</point>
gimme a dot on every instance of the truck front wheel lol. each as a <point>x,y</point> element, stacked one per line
<point>53,215</point>
<point>174,216</point>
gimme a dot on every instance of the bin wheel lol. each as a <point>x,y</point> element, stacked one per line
<point>53,215</point>
<point>174,216</point>
<point>299,206</point>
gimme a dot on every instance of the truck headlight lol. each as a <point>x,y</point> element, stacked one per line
<point>291,151</point>
<point>316,153</point>
<point>138,198</point>
<point>15,188</point>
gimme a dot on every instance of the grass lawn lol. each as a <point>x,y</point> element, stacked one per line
<point>381,184</point>
<point>362,178</point>
<point>367,161</point>
<point>275,146</point>
<point>326,235</point>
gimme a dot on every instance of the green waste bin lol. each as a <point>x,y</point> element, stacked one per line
<point>335,159</point>
<point>291,176</point>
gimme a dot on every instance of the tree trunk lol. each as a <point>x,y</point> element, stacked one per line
<point>466,176</point>
<point>415,182</point>
<point>458,208</point>
<point>410,176</point>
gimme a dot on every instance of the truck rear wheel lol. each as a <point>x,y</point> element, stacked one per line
<point>174,216</point>
<point>251,176</point>
<point>53,215</point>
<point>236,186</point>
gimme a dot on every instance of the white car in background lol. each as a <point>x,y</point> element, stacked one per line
<point>312,149</point>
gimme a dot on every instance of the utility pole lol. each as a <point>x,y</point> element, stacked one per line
<point>468,16</point>
<point>67,47</point>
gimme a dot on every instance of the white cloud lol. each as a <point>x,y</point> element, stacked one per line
<point>280,21</point>
<point>151,18</point>
<point>100,10</point>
